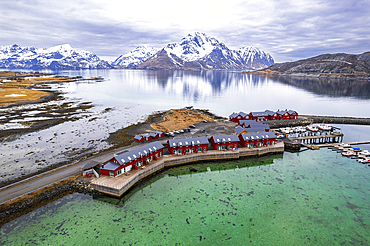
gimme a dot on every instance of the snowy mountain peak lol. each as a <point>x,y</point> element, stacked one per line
<point>200,51</point>
<point>63,47</point>
<point>57,57</point>
<point>135,57</point>
<point>252,54</point>
<point>194,46</point>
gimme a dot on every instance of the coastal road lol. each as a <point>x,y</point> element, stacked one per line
<point>29,185</point>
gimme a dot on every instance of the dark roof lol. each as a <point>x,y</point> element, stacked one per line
<point>259,114</point>
<point>142,150</point>
<point>241,113</point>
<point>225,138</point>
<point>258,128</point>
<point>239,129</point>
<point>233,115</point>
<point>248,122</point>
<point>269,112</point>
<point>262,135</point>
<point>187,141</point>
<point>89,165</point>
<point>111,166</point>
<point>281,112</point>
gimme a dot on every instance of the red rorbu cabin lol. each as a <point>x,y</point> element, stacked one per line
<point>223,142</point>
<point>254,140</point>
<point>236,117</point>
<point>132,159</point>
<point>160,134</point>
<point>139,138</point>
<point>147,137</point>
<point>187,145</point>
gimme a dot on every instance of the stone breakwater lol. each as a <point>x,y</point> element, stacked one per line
<point>304,120</point>
<point>337,120</point>
<point>121,184</point>
<point>17,207</point>
<point>301,121</point>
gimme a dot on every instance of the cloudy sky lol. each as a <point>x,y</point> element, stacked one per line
<point>287,29</point>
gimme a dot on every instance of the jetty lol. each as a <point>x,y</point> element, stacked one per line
<point>117,186</point>
<point>334,137</point>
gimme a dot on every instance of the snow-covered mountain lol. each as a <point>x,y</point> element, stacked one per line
<point>135,57</point>
<point>58,57</point>
<point>200,51</point>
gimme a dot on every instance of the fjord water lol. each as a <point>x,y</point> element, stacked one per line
<point>222,92</point>
<point>310,197</point>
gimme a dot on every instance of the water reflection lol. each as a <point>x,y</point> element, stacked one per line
<point>330,87</point>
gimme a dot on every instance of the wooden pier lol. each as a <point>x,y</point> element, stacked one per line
<point>327,138</point>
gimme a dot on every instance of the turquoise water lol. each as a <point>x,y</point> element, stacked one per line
<point>312,197</point>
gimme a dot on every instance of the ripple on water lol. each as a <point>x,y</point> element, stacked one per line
<point>311,197</point>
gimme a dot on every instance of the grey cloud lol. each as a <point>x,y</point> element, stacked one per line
<point>291,34</point>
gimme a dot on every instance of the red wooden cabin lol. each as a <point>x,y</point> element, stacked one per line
<point>254,140</point>
<point>223,142</point>
<point>132,159</point>
<point>187,145</point>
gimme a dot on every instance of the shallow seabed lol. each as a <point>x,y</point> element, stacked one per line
<point>312,197</point>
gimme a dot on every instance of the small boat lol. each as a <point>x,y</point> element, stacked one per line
<point>364,152</point>
<point>286,130</point>
<point>355,149</point>
<point>364,161</point>
<point>301,129</point>
<point>312,128</point>
<point>348,154</point>
<point>324,127</point>
<point>344,145</point>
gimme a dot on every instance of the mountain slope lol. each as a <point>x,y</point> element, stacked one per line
<point>135,57</point>
<point>58,57</point>
<point>198,50</point>
<point>334,65</point>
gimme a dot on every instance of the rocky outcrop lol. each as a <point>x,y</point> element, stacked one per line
<point>338,65</point>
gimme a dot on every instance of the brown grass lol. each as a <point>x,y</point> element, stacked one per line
<point>20,86</point>
<point>179,119</point>
<point>31,96</point>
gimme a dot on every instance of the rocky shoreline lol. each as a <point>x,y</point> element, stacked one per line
<point>27,203</point>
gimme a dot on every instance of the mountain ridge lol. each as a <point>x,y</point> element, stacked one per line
<point>200,51</point>
<point>325,65</point>
<point>56,57</point>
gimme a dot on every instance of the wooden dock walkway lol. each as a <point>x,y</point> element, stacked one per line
<point>116,186</point>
